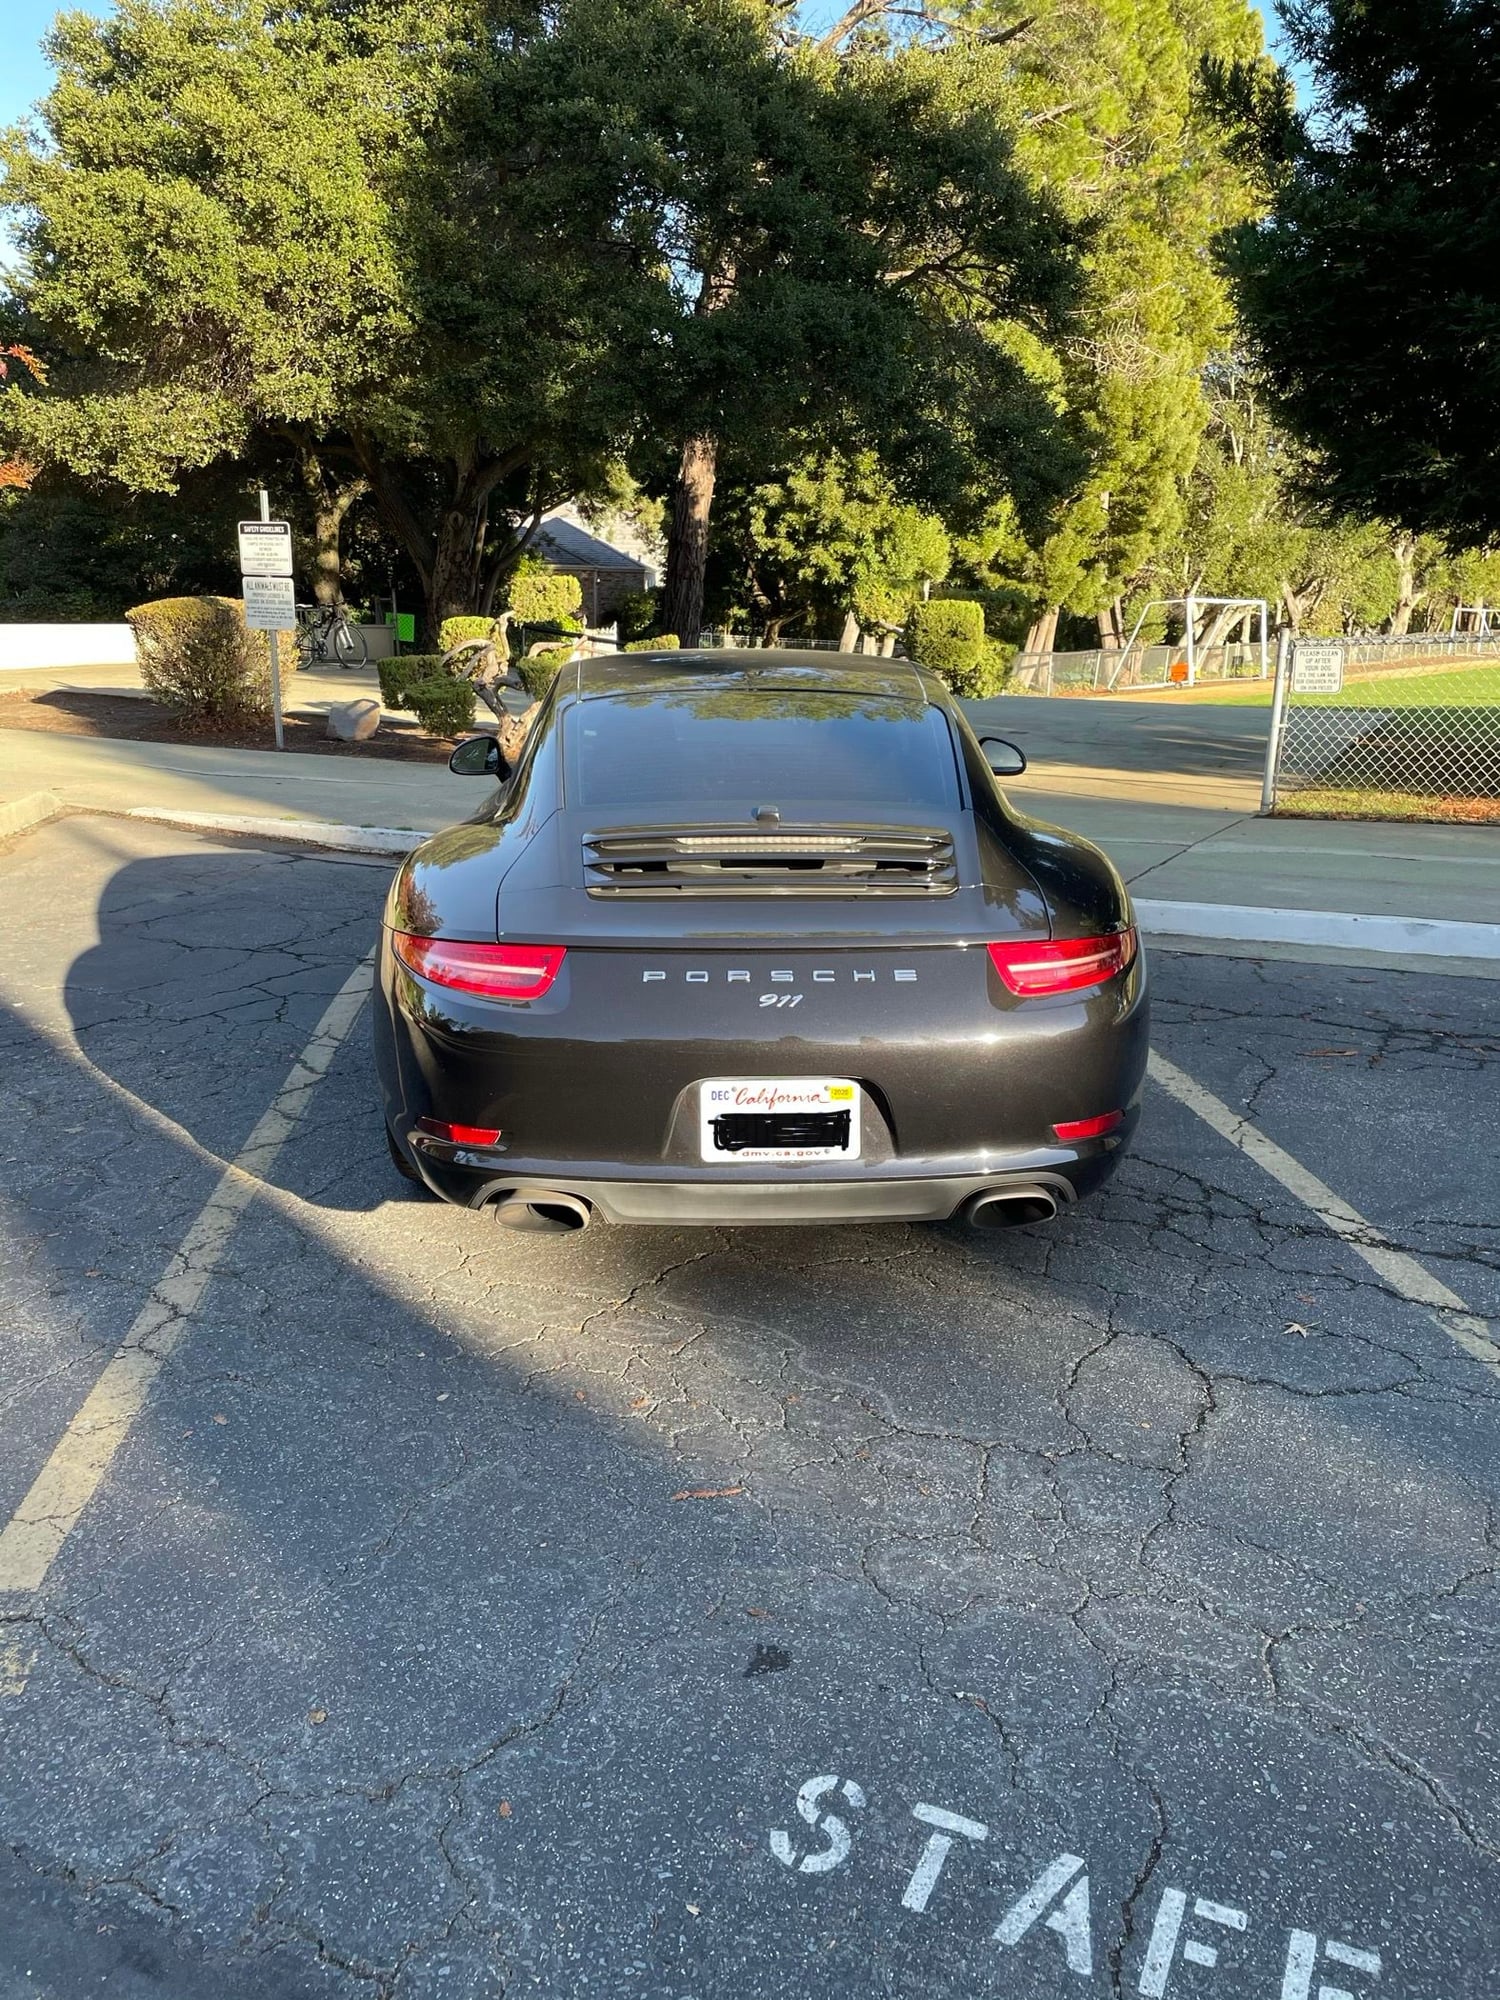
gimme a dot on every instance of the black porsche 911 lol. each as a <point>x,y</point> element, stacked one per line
<point>756,938</point>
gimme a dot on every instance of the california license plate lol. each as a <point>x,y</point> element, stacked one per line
<point>780,1120</point>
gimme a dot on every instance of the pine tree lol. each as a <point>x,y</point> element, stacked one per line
<point>1372,289</point>
<point>1110,116</point>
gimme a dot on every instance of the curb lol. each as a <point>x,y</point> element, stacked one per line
<point>1249,923</point>
<point>306,832</point>
<point>16,815</point>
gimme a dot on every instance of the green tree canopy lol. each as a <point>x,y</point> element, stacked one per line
<point>855,261</point>
<point>826,543</point>
<point>1104,100</point>
<point>1371,289</point>
<point>468,252</point>
<point>1253,528</point>
<point>205,254</point>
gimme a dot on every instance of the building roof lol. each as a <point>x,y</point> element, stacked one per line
<point>563,542</point>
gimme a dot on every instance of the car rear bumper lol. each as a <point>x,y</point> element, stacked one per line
<point>712,1200</point>
<point>595,1093</point>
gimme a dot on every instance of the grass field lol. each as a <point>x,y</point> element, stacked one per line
<point>1469,687</point>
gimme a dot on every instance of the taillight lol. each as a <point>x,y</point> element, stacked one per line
<point>496,971</point>
<point>1064,966</point>
<point>1089,1128</point>
<point>458,1135</point>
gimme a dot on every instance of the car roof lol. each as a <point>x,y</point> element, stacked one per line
<point>782,669</point>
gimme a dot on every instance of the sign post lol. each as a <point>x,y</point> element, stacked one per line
<point>1278,715</point>
<point>269,594</point>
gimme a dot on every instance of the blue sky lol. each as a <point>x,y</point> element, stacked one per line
<point>25,76</point>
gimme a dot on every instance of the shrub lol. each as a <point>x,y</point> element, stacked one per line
<point>198,657</point>
<point>664,642</point>
<point>947,635</point>
<point>992,672</point>
<point>540,670</point>
<point>444,705</point>
<point>635,614</point>
<point>458,631</point>
<point>441,700</point>
<point>397,675</point>
<point>541,595</point>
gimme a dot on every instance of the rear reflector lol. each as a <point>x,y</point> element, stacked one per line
<point>1089,1128</point>
<point>1064,966</point>
<point>497,971</point>
<point>460,1135</point>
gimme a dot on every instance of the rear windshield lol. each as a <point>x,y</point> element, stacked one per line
<point>703,748</point>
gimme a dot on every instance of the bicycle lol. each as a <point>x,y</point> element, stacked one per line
<point>326,633</point>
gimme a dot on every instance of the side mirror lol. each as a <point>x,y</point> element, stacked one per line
<point>1005,760</point>
<point>479,757</point>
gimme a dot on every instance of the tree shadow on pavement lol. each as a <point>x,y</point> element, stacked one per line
<point>465,1609</point>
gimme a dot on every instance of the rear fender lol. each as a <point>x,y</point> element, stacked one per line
<point>1084,891</point>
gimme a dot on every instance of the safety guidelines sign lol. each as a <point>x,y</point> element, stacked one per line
<point>266,576</point>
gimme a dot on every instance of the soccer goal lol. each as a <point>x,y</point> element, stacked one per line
<point>1475,621</point>
<point>1209,629</point>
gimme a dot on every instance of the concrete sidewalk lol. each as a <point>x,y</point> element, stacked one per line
<point>1169,852</point>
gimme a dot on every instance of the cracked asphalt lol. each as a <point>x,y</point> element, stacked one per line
<point>463,1613</point>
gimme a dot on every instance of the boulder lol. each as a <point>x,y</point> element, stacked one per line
<point>353,721</point>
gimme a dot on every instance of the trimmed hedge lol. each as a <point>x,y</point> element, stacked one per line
<point>541,595</point>
<point>444,707</point>
<point>201,660</point>
<point>421,684</point>
<point>539,670</point>
<point>947,635</point>
<point>397,675</point>
<point>946,632</point>
<point>664,642</point>
<point>459,631</point>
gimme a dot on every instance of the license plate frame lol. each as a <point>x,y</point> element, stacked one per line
<point>772,1096</point>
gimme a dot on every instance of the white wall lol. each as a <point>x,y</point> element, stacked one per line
<point>66,645</point>
<point>53,646</point>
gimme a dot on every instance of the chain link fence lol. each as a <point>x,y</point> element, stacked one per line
<point>1107,670</point>
<point>1387,728</point>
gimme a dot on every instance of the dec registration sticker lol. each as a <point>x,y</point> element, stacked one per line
<point>782,1120</point>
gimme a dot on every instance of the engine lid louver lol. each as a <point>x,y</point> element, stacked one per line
<point>789,861</point>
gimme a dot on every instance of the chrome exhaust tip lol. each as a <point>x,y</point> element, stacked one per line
<point>541,1211</point>
<point>1010,1208</point>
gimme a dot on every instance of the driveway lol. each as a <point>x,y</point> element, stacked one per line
<point>1157,750</point>
<point>1150,735</point>
<point>414,1610</point>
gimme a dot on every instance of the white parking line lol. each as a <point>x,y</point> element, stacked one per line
<point>1403,1274</point>
<point>35,1533</point>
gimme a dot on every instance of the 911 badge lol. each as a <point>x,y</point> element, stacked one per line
<point>787,1120</point>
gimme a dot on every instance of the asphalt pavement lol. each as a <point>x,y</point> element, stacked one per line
<point>1107,1608</point>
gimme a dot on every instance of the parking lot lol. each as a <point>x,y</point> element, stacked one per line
<point>419,1609</point>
